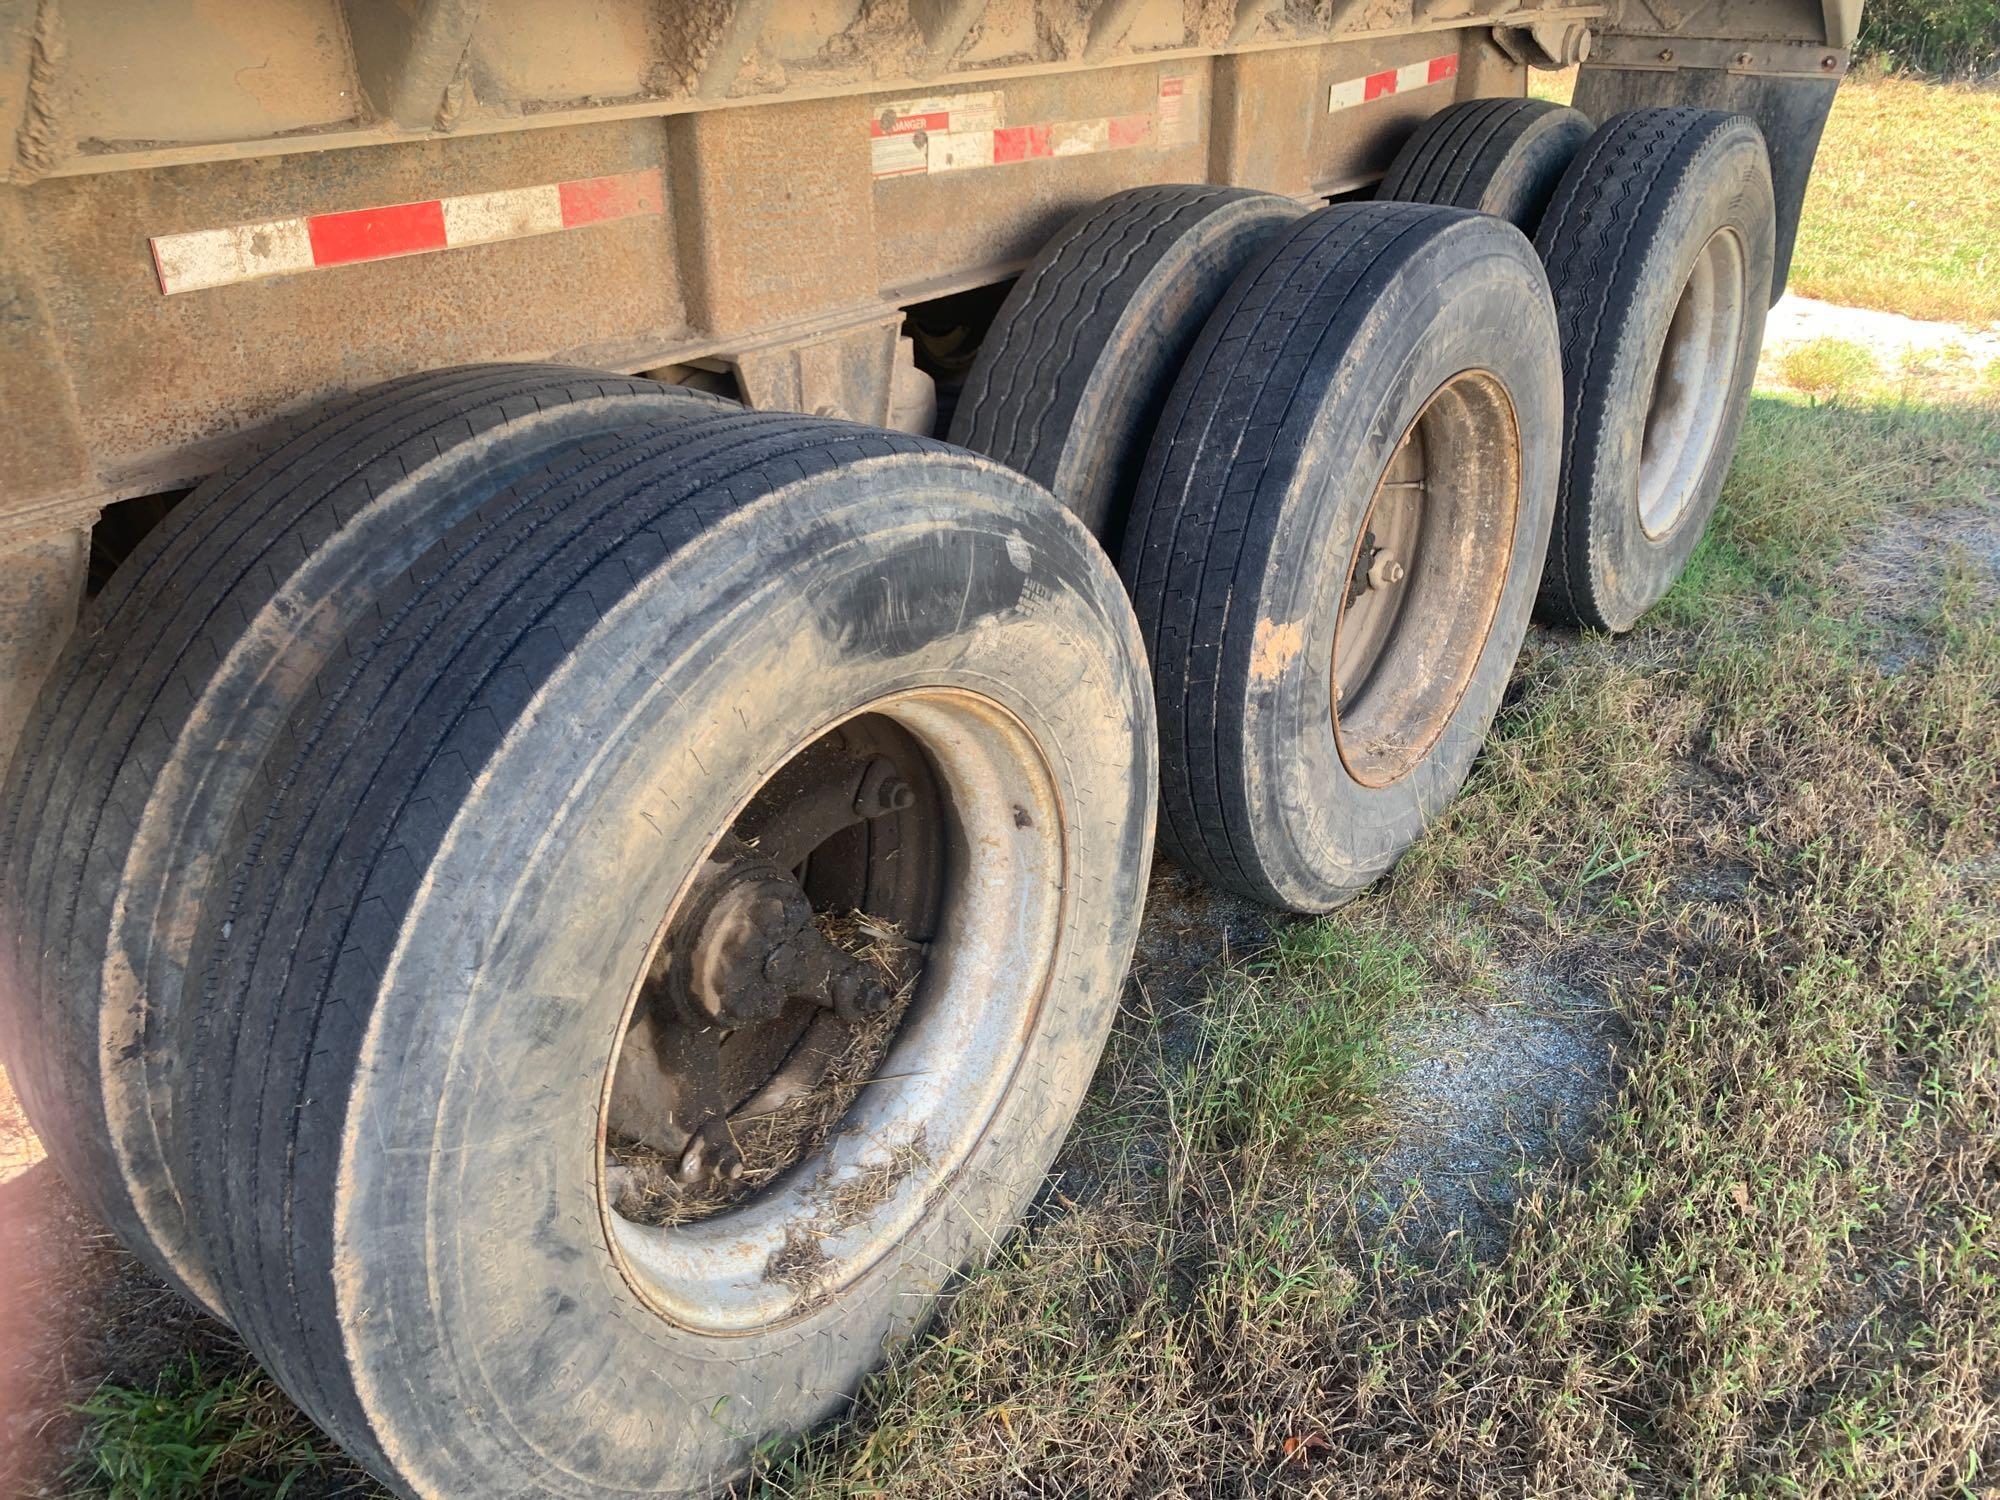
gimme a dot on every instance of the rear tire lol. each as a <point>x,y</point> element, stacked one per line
<point>1659,247</point>
<point>428,971</point>
<point>1493,156</point>
<point>1070,379</point>
<point>153,726</point>
<point>1379,351</point>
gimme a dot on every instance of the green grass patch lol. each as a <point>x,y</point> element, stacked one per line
<point>1811,475</point>
<point>197,1433</point>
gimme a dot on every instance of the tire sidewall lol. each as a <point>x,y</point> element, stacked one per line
<point>1526,179</point>
<point>548,890</point>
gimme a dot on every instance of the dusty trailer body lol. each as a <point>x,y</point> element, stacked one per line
<point>578,716</point>
<point>781,218</point>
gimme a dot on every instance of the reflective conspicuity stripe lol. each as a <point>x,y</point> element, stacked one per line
<point>281,247</point>
<point>1352,91</point>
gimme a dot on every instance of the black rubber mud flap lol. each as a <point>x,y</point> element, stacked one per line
<point>508,778</point>
<point>1263,529</point>
<point>1070,379</point>
<point>1493,156</point>
<point>147,741</point>
<point>1658,245</point>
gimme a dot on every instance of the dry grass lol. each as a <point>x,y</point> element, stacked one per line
<point>1901,213</point>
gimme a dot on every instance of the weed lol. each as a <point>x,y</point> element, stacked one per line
<point>195,1434</point>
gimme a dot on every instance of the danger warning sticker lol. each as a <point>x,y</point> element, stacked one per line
<point>902,131</point>
<point>955,132</point>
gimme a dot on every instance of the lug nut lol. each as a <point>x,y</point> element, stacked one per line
<point>710,1156</point>
<point>882,791</point>
<point>1384,571</point>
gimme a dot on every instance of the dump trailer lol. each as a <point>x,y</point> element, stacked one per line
<point>600,608</point>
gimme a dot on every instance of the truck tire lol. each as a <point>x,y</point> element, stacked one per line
<point>1351,484</point>
<point>1069,380</point>
<point>1493,156</point>
<point>153,726</point>
<point>1659,246</point>
<point>503,825</point>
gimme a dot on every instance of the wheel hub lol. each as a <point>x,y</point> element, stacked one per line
<point>1425,579</point>
<point>746,943</point>
<point>750,999</point>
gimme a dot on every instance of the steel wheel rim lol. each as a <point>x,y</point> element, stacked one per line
<point>852,1197</point>
<point>1691,381</point>
<point>1425,577</point>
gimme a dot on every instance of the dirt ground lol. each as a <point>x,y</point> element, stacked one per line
<point>1483,1090</point>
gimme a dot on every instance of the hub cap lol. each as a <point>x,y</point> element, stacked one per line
<point>1691,385</point>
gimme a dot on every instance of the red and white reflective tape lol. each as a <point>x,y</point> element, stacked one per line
<point>281,247</point>
<point>948,133</point>
<point>1352,91</point>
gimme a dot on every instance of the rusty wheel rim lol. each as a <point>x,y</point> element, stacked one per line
<point>1424,579</point>
<point>941,1021</point>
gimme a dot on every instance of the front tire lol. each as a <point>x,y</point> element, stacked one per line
<point>495,828</point>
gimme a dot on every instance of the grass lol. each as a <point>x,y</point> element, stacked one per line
<point>1900,214</point>
<point>1955,38</point>
<point>197,1433</point>
<point>1769,1268</point>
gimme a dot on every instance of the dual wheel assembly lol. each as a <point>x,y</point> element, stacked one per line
<point>565,910</point>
